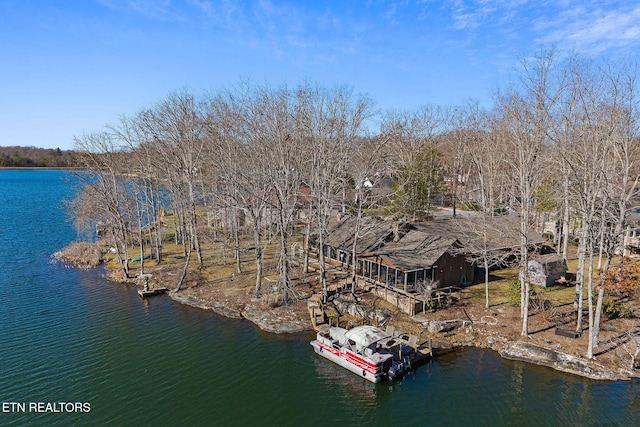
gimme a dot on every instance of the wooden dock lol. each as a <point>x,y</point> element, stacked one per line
<point>423,352</point>
<point>420,351</point>
<point>151,292</point>
<point>322,315</point>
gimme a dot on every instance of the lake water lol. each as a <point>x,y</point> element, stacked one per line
<point>71,336</point>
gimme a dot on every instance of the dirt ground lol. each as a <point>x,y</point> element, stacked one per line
<point>498,325</point>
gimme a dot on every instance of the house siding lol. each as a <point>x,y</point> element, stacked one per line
<point>450,269</point>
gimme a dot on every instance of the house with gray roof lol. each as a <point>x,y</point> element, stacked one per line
<point>419,257</point>
<point>406,256</point>
<point>369,234</point>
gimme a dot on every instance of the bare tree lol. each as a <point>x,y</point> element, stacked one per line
<point>271,123</point>
<point>473,130</point>
<point>409,133</point>
<point>241,169</point>
<point>412,139</point>
<point>621,121</point>
<point>525,118</point>
<point>145,174</point>
<point>177,127</point>
<point>104,197</point>
<point>331,121</point>
<point>368,166</point>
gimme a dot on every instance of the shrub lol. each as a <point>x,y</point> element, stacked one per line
<point>623,279</point>
<point>617,309</point>
<point>538,300</point>
<point>513,292</point>
<point>501,211</point>
<point>82,255</point>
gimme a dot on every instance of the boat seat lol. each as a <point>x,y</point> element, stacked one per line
<point>413,341</point>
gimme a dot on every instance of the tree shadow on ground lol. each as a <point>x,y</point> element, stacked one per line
<point>616,342</point>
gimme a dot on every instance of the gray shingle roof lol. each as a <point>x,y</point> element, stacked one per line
<point>373,234</point>
<point>415,251</point>
<point>422,244</point>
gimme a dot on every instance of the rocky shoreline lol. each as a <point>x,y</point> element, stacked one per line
<point>267,321</point>
<point>291,321</point>
<point>494,329</point>
<point>192,301</point>
<point>531,353</point>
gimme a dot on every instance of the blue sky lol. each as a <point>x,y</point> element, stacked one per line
<point>72,66</point>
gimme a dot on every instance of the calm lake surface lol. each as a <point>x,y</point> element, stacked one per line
<point>72,336</point>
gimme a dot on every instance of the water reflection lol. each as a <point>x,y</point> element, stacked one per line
<point>516,388</point>
<point>336,377</point>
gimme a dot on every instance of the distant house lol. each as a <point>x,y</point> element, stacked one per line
<point>223,215</point>
<point>631,237</point>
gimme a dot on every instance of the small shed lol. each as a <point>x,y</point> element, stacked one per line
<point>546,270</point>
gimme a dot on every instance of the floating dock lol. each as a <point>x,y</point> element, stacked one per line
<point>151,292</point>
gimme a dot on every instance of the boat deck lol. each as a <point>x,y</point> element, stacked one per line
<point>382,353</point>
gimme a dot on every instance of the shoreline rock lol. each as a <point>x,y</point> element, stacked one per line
<point>217,308</point>
<point>269,322</point>
<point>283,321</point>
<point>266,321</point>
<point>532,353</point>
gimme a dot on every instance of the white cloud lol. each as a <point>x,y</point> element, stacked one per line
<point>592,30</point>
<point>158,9</point>
<point>473,14</point>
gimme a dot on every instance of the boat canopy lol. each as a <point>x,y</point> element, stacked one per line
<point>364,336</point>
<point>337,334</point>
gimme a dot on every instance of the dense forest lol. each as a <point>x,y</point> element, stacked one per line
<point>21,157</point>
<point>560,144</point>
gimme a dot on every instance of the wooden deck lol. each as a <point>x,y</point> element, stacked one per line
<point>413,303</point>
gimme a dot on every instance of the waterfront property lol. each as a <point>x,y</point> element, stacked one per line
<point>419,258</point>
<point>410,263</point>
<point>71,334</point>
<point>400,254</point>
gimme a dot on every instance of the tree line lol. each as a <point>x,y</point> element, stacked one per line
<point>559,144</point>
<point>20,157</point>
